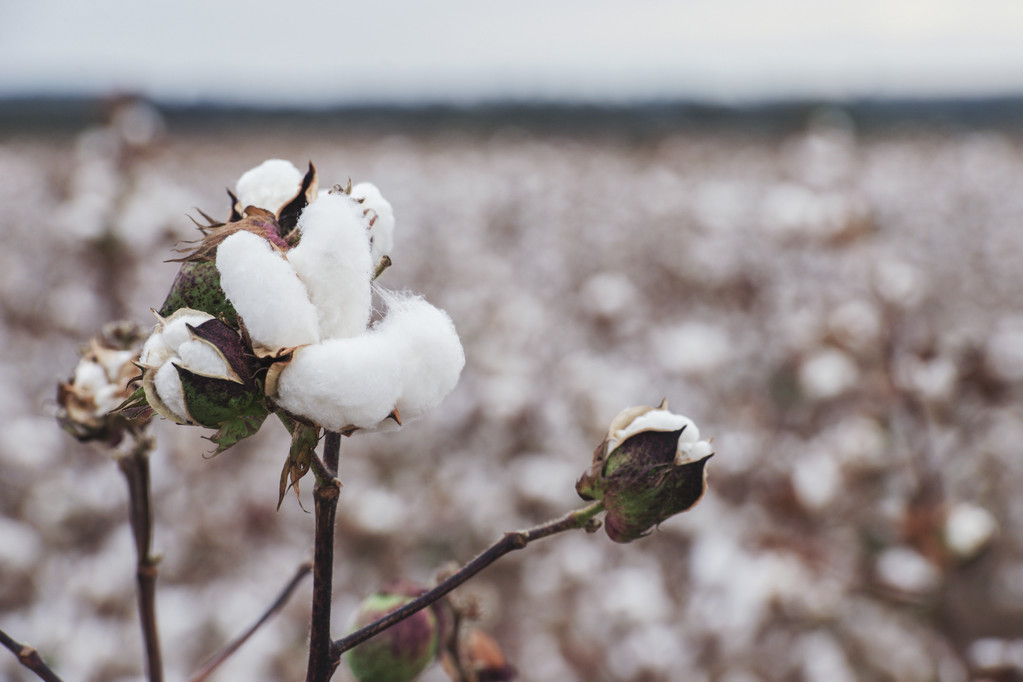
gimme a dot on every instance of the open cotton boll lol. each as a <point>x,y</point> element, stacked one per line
<point>431,357</point>
<point>382,231</point>
<point>266,292</point>
<point>333,260</point>
<point>269,185</point>
<point>342,382</point>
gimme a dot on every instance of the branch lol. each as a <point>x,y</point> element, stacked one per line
<point>580,518</point>
<point>29,658</point>
<point>217,659</point>
<point>325,496</point>
<point>135,467</point>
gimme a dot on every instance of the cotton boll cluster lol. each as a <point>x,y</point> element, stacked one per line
<point>314,300</point>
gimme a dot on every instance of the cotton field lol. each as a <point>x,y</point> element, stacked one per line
<point>840,311</point>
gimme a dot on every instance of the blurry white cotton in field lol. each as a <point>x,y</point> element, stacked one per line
<point>968,529</point>
<point>1004,350</point>
<point>906,570</point>
<point>692,347</point>
<point>607,295</point>
<point>899,284</point>
<point>827,373</point>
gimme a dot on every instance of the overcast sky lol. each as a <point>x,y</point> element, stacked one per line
<point>468,50</point>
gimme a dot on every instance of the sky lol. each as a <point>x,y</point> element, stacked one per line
<point>462,51</point>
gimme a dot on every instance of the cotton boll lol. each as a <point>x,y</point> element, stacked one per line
<point>382,231</point>
<point>266,292</point>
<point>269,185</point>
<point>343,382</point>
<point>333,259</point>
<point>431,357</point>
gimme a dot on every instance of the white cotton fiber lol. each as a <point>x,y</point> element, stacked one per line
<point>168,387</point>
<point>382,230</point>
<point>342,382</point>
<point>201,357</point>
<point>269,185</point>
<point>176,330</point>
<point>266,292</point>
<point>90,376</point>
<point>431,355</point>
<point>333,260</point>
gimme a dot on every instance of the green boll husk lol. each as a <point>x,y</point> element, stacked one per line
<point>640,485</point>
<point>401,652</point>
<point>197,286</point>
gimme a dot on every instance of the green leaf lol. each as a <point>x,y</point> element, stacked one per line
<point>239,427</point>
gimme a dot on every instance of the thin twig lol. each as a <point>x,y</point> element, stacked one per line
<point>29,658</point>
<point>325,496</point>
<point>135,467</point>
<point>218,658</point>
<point>579,518</point>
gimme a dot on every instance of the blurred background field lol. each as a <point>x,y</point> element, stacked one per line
<point>833,293</point>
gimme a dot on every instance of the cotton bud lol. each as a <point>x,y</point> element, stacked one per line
<point>403,650</point>
<point>650,467</point>
<point>197,370</point>
<point>89,399</point>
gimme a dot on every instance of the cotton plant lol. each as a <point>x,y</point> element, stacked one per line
<point>273,313</point>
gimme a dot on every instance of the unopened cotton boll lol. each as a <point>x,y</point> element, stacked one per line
<point>431,357</point>
<point>266,292</point>
<point>341,383</point>
<point>381,232</point>
<point>333,260</point>
<point>269,185</point>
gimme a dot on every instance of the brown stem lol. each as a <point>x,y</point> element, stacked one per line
<point>217,659</point>
<point>135,467</point>
<point>29,658</point>
<point>325,496</point>
<point>580,518</point>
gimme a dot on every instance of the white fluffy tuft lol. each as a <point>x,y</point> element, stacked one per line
<point>382,230</point>
<point>269,185</point>
<point>341,382</point>
<point>201,357</point>
<point>168,387</point>
<point>333,260</point>
<point>431,356</point>
<point>266,292</point>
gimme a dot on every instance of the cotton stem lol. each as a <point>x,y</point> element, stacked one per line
<point>135,467</point>
<point>29,658</point>
<point>325,497</point>
<point>580,518</point>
